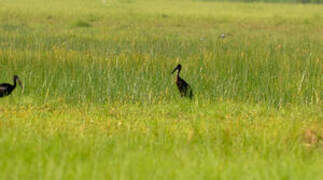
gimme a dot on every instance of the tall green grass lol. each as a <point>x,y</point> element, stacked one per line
<point>145,77</point>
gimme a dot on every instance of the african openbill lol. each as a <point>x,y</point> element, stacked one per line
<point>6,89</point>
<point>184,88</point>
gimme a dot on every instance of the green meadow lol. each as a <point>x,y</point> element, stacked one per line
<point>99,100</point>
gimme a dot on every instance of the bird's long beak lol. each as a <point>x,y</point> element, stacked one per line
<point>174,70</point>
<point>20,84</point>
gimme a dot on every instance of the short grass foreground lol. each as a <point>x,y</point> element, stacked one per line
<point>223,140</point>
<point>100,102</point>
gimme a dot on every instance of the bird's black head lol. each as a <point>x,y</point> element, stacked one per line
<point>178,67</point>
<point>16,78</point>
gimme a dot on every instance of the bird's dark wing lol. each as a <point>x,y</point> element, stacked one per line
<point>184,88</point>
<point>4,87</point>
<point>184,83</point>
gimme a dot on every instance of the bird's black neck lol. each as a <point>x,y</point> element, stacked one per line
<point>14,83</point>
<point>178,73</point>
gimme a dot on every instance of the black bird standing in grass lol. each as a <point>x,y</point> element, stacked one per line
<point>6,89</point>
<point>184,88</point>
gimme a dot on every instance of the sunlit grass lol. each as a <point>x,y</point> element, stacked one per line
<point>179,140</point>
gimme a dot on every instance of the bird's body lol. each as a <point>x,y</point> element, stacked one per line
<point>184,88</point>
<point>6,89</point>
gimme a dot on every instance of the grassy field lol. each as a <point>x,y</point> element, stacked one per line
<point>100,101</point>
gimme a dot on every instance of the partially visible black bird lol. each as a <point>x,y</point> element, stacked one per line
<point>184,88</point>
<point>6,89</point>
